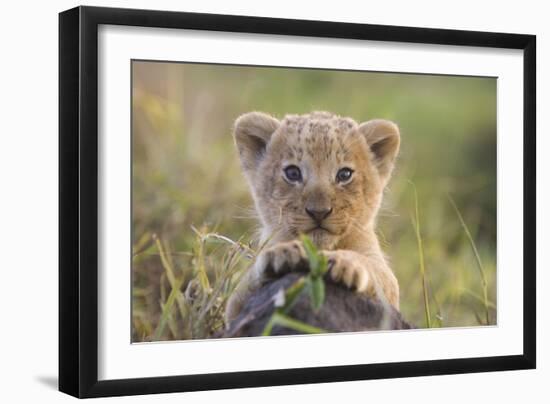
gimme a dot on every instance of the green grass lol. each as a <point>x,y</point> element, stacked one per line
<point>484,285</point>
<point>193,222</point>
<point>422,265</point>
<point>313,284</point>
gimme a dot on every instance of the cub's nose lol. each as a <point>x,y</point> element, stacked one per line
<point>318,214</point>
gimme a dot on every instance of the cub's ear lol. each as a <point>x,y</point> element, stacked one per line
<point>383,139</point>
<point>252,132</point>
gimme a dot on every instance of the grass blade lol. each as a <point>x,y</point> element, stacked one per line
<point>477,257</point>
<point>416,224</point>
<point>283,320</point>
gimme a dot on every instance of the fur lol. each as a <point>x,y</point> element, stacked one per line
<point>319,144</point>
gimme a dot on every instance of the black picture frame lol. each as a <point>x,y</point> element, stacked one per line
<point>78,200</point>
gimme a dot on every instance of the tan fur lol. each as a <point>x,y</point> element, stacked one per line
<point>319,144</point>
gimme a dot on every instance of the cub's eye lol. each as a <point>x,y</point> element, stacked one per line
<point>344,174</point>
<point>293,174</point>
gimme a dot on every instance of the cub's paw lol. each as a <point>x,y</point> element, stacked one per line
<point>343,268</point>
<point>281,258</point>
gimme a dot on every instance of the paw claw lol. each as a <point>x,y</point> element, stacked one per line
<point>347,272</point>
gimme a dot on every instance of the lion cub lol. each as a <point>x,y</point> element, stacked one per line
<point>321,175</point>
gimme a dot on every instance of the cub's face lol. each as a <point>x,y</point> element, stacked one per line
<point>316,174</point>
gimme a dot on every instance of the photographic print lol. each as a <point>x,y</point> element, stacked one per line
<point>270,201</point>
<point>291,201</point>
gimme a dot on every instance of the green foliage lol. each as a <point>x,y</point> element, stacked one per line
<point>186,176</point>
<point>317,269</point>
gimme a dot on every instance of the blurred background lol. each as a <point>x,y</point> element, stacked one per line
<point>193,225</point>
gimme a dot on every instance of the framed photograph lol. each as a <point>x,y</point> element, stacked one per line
<point>251,201</point>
